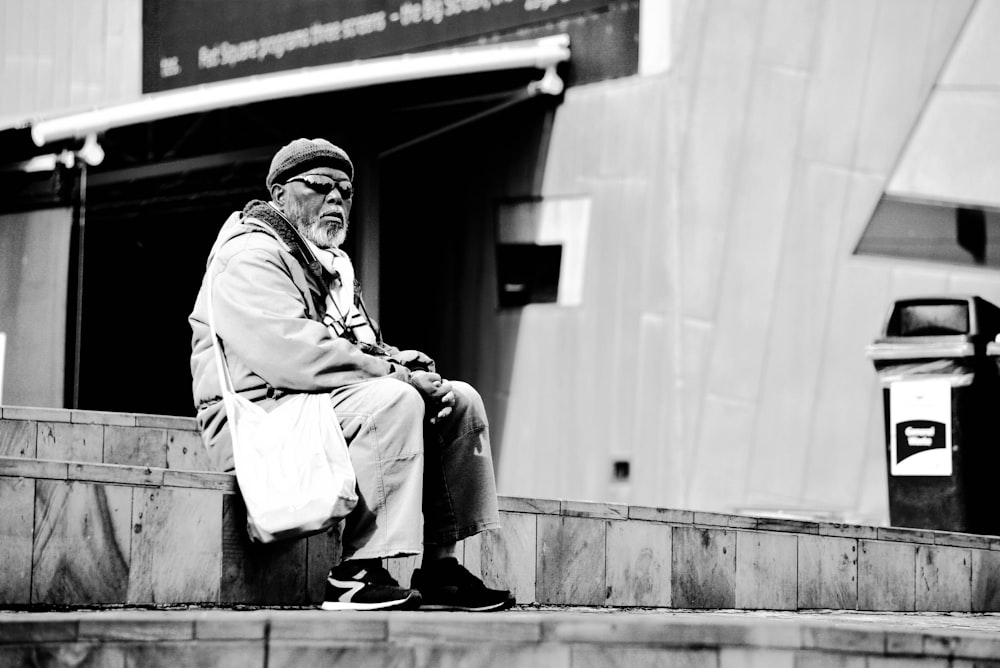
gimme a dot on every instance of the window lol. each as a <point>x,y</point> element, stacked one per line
<point>541,251</point>
<point>527,274</point>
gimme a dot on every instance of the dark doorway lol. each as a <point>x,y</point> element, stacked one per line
<point>438,233</point>
<point>147,242</point>
<point>144,259</point>
<point>155,206</point>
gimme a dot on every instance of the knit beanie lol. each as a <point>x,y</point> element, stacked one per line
<point>301,155</point>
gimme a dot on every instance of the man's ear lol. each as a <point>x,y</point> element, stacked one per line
<point>278,194</point>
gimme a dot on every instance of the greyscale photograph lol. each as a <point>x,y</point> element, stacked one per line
<point>491,333</point>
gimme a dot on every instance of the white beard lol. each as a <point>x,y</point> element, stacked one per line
<point>325,235</point>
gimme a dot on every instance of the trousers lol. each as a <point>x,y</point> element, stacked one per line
<point>418,483</point>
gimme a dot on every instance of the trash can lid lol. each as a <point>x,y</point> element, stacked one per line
<point>969,316</point>
<point>921,348</point>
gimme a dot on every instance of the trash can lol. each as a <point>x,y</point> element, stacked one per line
<point>941,395</point>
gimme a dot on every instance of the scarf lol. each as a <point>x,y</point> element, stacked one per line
<point>331,268</point>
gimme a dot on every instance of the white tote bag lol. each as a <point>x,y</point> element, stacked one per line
<point>292,463</point>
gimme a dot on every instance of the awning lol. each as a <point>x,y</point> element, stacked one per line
<point>542,53</point>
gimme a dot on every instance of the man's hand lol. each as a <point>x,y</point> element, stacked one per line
<point>436,392</point>
<point>414,360</point>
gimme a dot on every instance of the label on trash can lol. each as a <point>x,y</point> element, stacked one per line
<point>920,428</point>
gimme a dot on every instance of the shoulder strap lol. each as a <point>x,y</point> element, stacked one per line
<point>264,215</point>
<point>284,231</point>
<point>221,368</point>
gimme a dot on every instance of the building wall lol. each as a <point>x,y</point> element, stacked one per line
<point>62,55</point>
<point>721,345</point>
<point>34,248</point>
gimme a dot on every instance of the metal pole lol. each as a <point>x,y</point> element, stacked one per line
<point>74,329</point>
<point>3,356</point>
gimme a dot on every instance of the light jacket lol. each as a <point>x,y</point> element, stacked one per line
<point>268,315</point>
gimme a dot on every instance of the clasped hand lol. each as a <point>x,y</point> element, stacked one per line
<point>437,394</point>
<point>414,360</point>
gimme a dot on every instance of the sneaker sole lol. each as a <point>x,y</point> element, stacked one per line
<point>411,602</point>
<point>503,605</point>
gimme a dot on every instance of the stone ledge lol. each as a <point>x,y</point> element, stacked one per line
<point>117,474</point>
<point>177,447</point>
<point>108,418</point>
<point>40,414</point>
<point>711,520</point>
<point>178,536</point>
<point>611,511</point>
<point>226,482</point>
<point>102,418</point>
<point>823,640</point>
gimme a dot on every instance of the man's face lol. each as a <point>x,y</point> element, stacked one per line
<point>317,204</point>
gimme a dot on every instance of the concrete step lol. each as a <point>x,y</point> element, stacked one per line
<point>161,441</point>
<point>82,527</point>
<point>549,638</point>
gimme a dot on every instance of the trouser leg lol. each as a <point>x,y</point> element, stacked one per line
<point>460,498</point>
<point>382,420</point>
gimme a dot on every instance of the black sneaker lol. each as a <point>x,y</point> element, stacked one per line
<point>447,585</point>
<point>365,585</point>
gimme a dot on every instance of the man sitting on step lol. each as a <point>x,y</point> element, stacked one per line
<point>419,443</point>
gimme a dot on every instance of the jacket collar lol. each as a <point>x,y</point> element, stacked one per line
<point>280,227</point>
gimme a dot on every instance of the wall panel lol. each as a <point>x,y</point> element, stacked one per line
<point>33,279</point>
<point>871,505</point>
<point>871,493</point>
<point>789,35</point>
<point>837,440</point>
<point>573,151</point>
<point>46,64</point>
<point>602,323</point>
<point>59,48</point>
<point>982,282</point>
<point>79,54</point>
<point>718,466</point>
<point>757,222</point>
<point>62,55</point>
<point>948,19</point>
<point>525,425</point>
<point>629,200</point>
<point>974,58</point>
<point>895,88</point>
<point>696,338</point>
<point>617,154</point>
<point>791,363</point>
<point>954,152</point>
<point>916,279</point>
<point>720,92</point>
<point>656,461</point>
<point>836,81</point>
<point>13,55</point>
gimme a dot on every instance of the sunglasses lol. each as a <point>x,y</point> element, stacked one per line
<point>324,185</point>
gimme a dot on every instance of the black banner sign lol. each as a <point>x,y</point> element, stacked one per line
<point>189,42</point>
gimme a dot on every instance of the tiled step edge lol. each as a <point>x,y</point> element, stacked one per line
<point>550,551</point>
<point>77,416</point>
<point>102,438</point>
<point>226,482</point>
<point>173,443</point>
<point>556,639</point>
<point>706,520</point>
<point>115,474</point>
